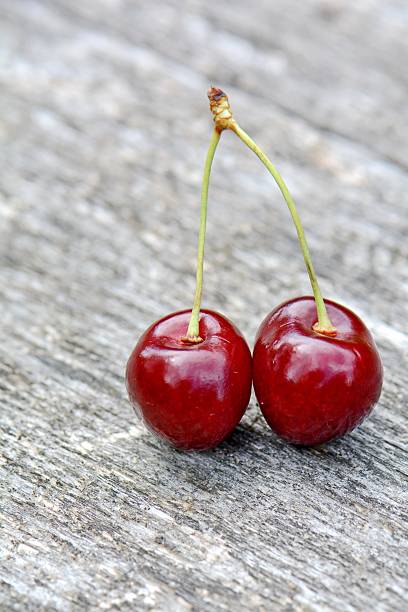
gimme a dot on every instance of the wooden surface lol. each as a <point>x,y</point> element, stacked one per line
<point>104,128</point>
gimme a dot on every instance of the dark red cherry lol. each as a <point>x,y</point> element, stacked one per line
<point>192,395</point>
<point>312,388</point>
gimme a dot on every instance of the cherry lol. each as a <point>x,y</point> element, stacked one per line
<point>189,377</point>
<point>191,394</point>
<point>311,387</point>
<point>314,380</point>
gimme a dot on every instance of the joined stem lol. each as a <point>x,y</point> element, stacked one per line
<point>193,331</point>
<point>216,96</point>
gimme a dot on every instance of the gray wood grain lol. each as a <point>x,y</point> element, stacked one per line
<point>104,126</point>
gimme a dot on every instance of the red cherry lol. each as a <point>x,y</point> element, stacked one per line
<point>192,395</point>
<point>313,388</point>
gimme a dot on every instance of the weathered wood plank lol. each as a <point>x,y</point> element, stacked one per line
<point>330,62</point>
<point>104,128</point>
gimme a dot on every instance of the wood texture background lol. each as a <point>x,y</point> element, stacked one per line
<point>104,126</point>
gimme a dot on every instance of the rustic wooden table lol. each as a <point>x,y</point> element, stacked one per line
<point>104,128</point>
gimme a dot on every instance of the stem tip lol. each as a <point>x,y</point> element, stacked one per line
<point>220,109</point>
<point>215,93</point>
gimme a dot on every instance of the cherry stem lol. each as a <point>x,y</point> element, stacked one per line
<point>193,331</point>
<point>220,108</point>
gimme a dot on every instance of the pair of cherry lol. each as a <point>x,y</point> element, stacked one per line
<point>190,375</point>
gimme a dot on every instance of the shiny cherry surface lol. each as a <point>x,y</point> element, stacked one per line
<point>313,388</point>
<point>192,395</point>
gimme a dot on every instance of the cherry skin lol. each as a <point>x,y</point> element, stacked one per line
<point>313,388</point>
<point>192,395</point>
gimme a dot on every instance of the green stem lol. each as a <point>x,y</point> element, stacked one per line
<point>323,325</point>
<point>193,331</point>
